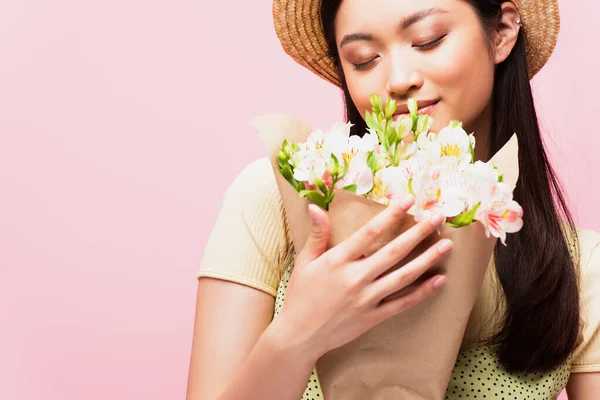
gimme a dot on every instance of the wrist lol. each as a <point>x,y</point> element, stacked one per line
<point>284,341</point>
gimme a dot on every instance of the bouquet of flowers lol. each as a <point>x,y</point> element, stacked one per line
<point>410,355</point>
<point>399,157</point>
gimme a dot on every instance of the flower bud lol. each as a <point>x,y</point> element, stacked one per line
<point>455,124</point>
<point>413,107</point>
<point>376,103</point>
<point>390,108</point>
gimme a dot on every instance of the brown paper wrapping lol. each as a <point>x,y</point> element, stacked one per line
<point>411,355</point>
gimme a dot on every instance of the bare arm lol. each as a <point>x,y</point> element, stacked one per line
<point>236,354</point>
<point>584,386</point>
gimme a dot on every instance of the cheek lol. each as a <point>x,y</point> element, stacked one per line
<point>362,85</point>
<point>465,80</point>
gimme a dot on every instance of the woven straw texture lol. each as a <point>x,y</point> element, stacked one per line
<point>298,26</point>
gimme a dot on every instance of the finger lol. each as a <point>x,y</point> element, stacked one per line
<point>361,241</point>
<point>316,244</point>
<point>398,304</point>
<point>409,273</point>
<point>396,250</point>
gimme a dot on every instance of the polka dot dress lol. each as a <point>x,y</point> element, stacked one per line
<point>313,389</point>
<point>477,373</point>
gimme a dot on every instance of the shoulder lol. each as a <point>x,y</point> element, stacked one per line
<point>585,247</point>
<point>250,242</point>
<point>256,179</point>
<point>587,354</point>
<point>589,242</point>
<point>589,264</point>
<point>255,193</point>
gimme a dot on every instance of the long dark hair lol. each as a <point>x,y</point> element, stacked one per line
<point>537,272</point>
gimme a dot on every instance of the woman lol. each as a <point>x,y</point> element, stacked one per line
<point>463,59</point>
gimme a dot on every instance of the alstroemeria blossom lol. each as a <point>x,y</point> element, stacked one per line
<point>359,174</point>
<point>311,168</point>
<point>437,169</point>
<point>440,190</point>
<point>499,213</point>
<point>389,183</point>
<point>452,146</point>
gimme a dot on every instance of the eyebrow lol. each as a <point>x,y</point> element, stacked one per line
<point>404,24</point>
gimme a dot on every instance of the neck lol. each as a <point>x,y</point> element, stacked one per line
<point>482,127</point>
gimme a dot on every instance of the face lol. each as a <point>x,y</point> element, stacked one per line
<point>435,51</point>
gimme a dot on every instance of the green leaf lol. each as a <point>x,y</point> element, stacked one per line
<point>288,174</point>
<point>329,199</point>
<point>422,123</point>
<point>500,175</point>
<point>281,164</point>
<point>372,161</point>
<point>372,122</point>
<point>345,170</point>
<point>465,218</point>
<point>410,188</point>
<point>350,188</point>
<point>393,136</point>
<point>315,197</point>
<point>322,187</point>
<point>472,150</point>
<point>300,186</point>
<point>336,164</point>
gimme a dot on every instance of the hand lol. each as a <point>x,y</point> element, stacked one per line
<point>338,294</point>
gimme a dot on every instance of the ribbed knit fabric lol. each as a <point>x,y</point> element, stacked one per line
<point>251,245</point>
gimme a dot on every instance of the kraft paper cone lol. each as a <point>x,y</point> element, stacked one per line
<point>409,356</point>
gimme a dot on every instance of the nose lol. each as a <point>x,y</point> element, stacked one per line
<point>403,78</point>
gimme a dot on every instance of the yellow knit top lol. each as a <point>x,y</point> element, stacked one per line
<point>251,244</point>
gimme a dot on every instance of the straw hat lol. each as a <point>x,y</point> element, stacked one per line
<point>298,26</point>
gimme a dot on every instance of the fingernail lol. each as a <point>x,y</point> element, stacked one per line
<point>313,214</point>
<point>439,282</point>
<point>406,202</point>
<point>444,246</point>
<point>436,219</point>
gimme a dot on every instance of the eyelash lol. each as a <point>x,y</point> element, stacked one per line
<point>432,44</point>
<point>427,46</point>
<point>360,67</point>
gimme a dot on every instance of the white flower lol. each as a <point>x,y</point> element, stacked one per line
<point>483,178</point>
<point>389,183</point>
<point>369,142</point>
<point>336,141</point>
<point>406,150</point>
<point>499,213</point>
<point>440,190</point>
<point>414,167</point>
<point>452,146</point>
<point>359,174</point>
<point>311,167</point>
<point>315,140</point>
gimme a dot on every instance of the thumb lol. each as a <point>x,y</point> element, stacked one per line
<point>316,244</point>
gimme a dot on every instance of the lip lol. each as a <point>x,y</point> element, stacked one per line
<point>424,107</point>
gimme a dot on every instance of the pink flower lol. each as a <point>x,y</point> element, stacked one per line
<point>359,174</point>
<point>499,213</point>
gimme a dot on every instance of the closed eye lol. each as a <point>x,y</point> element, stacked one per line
<point>365,65</point>
<point>432,44</point>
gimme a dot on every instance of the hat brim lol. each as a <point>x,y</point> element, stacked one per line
<point>299,29</point>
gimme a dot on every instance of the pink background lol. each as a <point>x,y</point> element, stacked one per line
<point>113,118</point>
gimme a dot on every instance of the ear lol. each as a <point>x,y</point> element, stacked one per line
<point>507,32</point>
